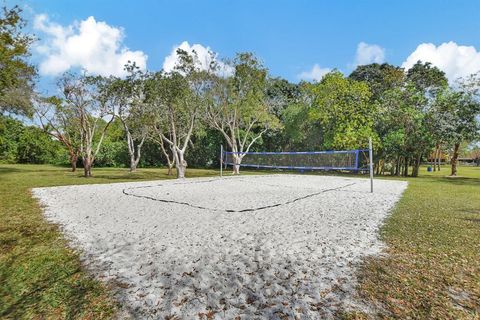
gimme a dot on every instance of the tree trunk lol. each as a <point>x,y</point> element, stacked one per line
<point>236,166</point>
<point>87,168</point>
<point>135,153</point>
<point>180,163</point>
<point>435,158</point>
<point>236,169</point>
<point>416,166</point>
<point>133,163</point>
<point>439,157</point>
<point>181,171</point>
<point>73,162</point>
<point>405,167</point>
<point>170,169</point>
<point>455,159</point>
<point>398,166</point>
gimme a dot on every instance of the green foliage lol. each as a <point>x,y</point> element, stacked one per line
<point>113,152</point>
<point>248,95</point>
<point>16,74</point>
<point>10,131</point>
<point>406,114</point>
<point>427,77</point>
<point>34,146</point>
<point>404,125</point>
<point>27,144</point>
<point>342,108</point>
<point>241,107</point>
<point>379,77</point>
<point>205,152</point>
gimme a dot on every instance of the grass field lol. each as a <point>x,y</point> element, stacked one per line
<point>432,270</point>
<point>40,276</point>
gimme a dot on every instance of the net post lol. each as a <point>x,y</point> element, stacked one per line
<point>356,160</point>
<point>221,160</point>
<point>370,155</point>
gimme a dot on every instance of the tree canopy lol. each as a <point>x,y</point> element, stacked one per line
<point>16,74</point>
<point>180,117</point>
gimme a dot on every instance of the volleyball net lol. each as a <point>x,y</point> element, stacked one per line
<point>347,160</point>
<point>360,160</point>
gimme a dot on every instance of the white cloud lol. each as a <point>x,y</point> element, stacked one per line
<point>88,44</point>
<point>204,55</point>
<point>456,61</point>
<point>369,53</point>
<point>316,73</point>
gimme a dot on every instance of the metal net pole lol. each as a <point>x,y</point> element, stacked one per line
<point>221,160</point>
<point>370,155</point>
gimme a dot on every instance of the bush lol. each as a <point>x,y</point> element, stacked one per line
<point>27,144</point>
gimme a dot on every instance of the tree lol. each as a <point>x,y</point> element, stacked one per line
<point>82,100</point>
<point>342,108</point>
<point>379,77</point>
<point>20,143</point>
<point>431,80</point>
<point>34,146</point>
<point>282,96</point>
<point>177,100</point>
<point>405,126</point>
<point>427,77</point>
<point>239,108</point>
<point>475,154</point>
<point>16,74</point>
<point>126,99</point>
<point>57,119</point>
<point>459,108</point>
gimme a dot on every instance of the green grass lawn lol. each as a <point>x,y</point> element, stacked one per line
<point>40,277</point>
<point>432,270</point>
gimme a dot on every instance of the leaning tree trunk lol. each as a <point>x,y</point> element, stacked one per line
<point>73,162</point>
<point>455,159</point>
<point>170,163</point>
<point>134,161</point>
<point>170,168</point>
<point>135,153</point>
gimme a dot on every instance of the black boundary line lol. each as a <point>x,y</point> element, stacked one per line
<point>125,192</point>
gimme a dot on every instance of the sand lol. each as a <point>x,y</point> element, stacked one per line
<point>263,247</point>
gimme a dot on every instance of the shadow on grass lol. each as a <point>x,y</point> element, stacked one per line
<point>68,283</point>
<point>7,170</point>
<point>126,176</point>
<point>74,299</point>
<point>31,297</point>
<point>474,220</point>
<point>32,168</point>
<point>470,211</point>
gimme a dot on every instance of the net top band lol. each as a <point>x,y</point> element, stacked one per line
<point>300,152</point>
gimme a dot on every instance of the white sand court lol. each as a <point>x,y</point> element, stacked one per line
<point>264,246</point>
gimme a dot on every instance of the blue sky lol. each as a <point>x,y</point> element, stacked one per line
<point>291,37</point>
